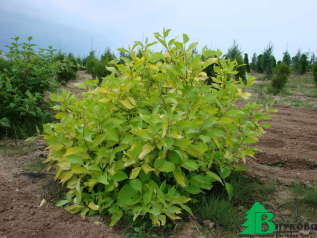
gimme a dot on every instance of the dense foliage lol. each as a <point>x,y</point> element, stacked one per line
<point>280,77</point>
<point>246,62</point>
<point>25,74</point>
<point>153,134</point>
<point>234,54</point>
<point>266,63</point>
<point>287,58</point>
<point>300,63</point>
<point>98,67</point>
<point>68,67</point>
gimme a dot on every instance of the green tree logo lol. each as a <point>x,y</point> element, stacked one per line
<point>256,217</point>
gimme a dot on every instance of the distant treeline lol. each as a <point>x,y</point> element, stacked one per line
<point>265,62</point>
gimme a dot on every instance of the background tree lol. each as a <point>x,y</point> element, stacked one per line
<point>268,61</point>
<point>313,58</point>
<point>246,62</point>
<point>91,62</point>
<point>253,62</point>
<point>234,53</point>
<point>304,64</point>
<point>296,62</point>
<point>107,56</point>
<point>314,69</point>
<point>287,58</point>
<point>259,64</point>
<point>280,77</point>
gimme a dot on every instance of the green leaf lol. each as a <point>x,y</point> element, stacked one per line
<point>185,38</point>
<point>102,179</point>
<point>5,122</point>
<point>186,208</point>
<point>62,203</point>
<point>73,150</point>
<point>240,168</point>
<point>224,172</point>
<point>73,209</point>
<point>191,165</point>
<point>136,184</point>
<point>147,197</point>
<point>119,176</point>
<point>147,168</point>
<point>193,189</point>
<point>163,165</point>
<point>202,181</point>
<point>112,134</point>
<point>174,156</point>
<point>75,159</point>
<point>229,190</point>
<point>166,32</point>
<point>128,196</point>
<point>179,177</point>
<point>214,177</point>
<point>196,150</point>
<point>127,104</point>
<point>116,215</point>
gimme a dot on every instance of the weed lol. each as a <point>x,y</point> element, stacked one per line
<point>247,189</point>
<point>219,210</point>
<point>143,228</point>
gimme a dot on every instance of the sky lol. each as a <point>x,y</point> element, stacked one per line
<point>79,26</point>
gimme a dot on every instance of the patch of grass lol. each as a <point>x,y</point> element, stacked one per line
<point>248,190</point>
<point>143,228</point>
<point>305,203</point>
<point>311,197</point>
<point>36,165</point>
<point>218,210</point>
<point>299,189</point>
<point>53,191</point>
<point>15,149</point>
<point>215,205</point>
<point>300,91</point>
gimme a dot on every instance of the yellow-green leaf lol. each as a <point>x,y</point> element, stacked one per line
<point>147,168</point>
<point>93,206</point>
<point>146,149</point>
<point>179,177</point>
<point>127,104</point>
<point>135,172</point>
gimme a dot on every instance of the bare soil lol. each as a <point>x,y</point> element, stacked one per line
<point>289,148</point>
<point>21,195</point>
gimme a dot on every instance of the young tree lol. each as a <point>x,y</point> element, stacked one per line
<point>246,62</point>
<point>253,62</point>
<point>234,53</point>
<point>259,64</point>
<point>304,64</point>
<point>280,77</point>
<point>313,58</point>
<point>287,58</point>
<point>314,69</point>
<point>91,62</point>
<point>296,62</point>
<point>107,56</point>
<point>268,61</point>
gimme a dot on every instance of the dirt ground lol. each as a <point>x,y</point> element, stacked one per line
<point>289,156</point>
<point>21,195</point>
<point>289,148</point>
